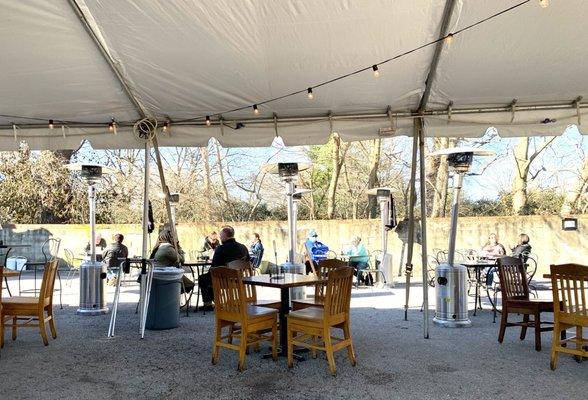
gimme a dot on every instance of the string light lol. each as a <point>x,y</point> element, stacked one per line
<point>112,126</point>
<point>376,71</point>
<point>544,3</point>
<point>449,38</point>
<point>165,126</point>
<point>208,120</point>
<point>255,109</point>
<point>310,94</point>
<point>50,124</point>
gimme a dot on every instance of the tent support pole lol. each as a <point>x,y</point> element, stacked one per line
<point>145,251</point>
<point>423,196</point>
<point>411,203</point>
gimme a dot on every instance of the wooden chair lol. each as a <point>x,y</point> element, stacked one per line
<point>30,309</point>
<point>231,308</point>
<point>322,270</point>
<point>312,323</point>
<point>250,292</point>
<point>569,286</point>
<point>49,249</point>
<point>515,300</point>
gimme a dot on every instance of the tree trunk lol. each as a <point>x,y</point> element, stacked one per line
<point>573,196</point>
<point>519,184</point>
<point>207,193</point>
<point>374,164</point>
<point>441,180</point>
<point>337,158</point>
<point>225,191</point>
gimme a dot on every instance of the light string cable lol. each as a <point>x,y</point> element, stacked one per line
<point>255,106</point>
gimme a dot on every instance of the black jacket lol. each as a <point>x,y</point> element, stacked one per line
<point>230,250</point>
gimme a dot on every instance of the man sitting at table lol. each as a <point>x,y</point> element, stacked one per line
<point>111,255</point>
<point>229,250</point>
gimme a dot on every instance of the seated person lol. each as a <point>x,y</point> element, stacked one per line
<point>358,259</point>
<point>210,242</point>
<point>100,246</point>
<point>523,248</point>
<point>111,255</point>
<point>492,249</point>
<point>229,250</point>
<point>164,254</point>
<point>317,249</point>
<point>256,250</point>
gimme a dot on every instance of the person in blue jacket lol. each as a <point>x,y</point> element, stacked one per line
<point>318,250</point>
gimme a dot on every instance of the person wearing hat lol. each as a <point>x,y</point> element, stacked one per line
<point>358,259</point>
<point>318,251</point>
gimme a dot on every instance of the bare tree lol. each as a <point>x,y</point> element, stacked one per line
<point>522,174</point>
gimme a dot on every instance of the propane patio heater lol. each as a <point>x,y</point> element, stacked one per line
<point>451,310</point>
<point>288,173</point>
<point>92,272</point>
<point>383,197</point>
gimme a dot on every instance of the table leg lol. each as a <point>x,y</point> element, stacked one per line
<point>284,311</point>
<point>477,275</point>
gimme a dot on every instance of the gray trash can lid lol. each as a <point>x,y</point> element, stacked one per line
<point>168,273</point>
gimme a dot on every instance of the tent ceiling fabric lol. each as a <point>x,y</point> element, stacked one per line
<point>194,58</point>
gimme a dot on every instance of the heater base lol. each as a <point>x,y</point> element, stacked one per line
<point>451,323</point>
<point>92,311</point>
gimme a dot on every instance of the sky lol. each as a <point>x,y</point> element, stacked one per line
<point>557,166</point>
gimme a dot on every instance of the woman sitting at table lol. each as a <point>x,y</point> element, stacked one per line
<point>256,250</point>
<point>492,249</point>
<point>358,259</point>
<point>164,254</point>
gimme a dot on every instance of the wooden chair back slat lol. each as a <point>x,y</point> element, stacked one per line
<point>513,282</point>
<point>338,292</point>
<point>48,283</point>
<point>247,271</point>
<point>569,286</point>
<point>322,271</point>
<point>229,293</point>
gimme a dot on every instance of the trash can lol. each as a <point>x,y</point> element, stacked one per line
<point>164,301</point>
<point>296,293</point>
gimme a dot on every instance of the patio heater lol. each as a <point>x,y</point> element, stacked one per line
<point>92,272</point>
<point>288,173</point>
<point>451,310</point>
<point>383,197</point>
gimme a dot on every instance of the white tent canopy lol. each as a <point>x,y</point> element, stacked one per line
<point>185,60</point>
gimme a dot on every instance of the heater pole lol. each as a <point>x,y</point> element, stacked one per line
<point>384,217</point>
<point>92,201</point>
<point>457,183</point>
<point>291,220</point>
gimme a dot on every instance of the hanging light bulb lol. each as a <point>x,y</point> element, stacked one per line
<point>449,38</point>
<point>208,120</point>
<point>112,126</point>
<point>376,71</point>
<point>310,94</point>
<point>165,126</point>
<point>255,109</point>
<point>50,124</point>
<point>544,3</point>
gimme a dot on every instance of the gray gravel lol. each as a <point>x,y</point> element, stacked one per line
<point>394,361</point>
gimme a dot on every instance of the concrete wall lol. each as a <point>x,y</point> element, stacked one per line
<point>550,243</point>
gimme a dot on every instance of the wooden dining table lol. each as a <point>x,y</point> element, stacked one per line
<point>284,283</point>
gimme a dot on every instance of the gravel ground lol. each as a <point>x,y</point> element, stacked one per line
<point>394,361</point>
